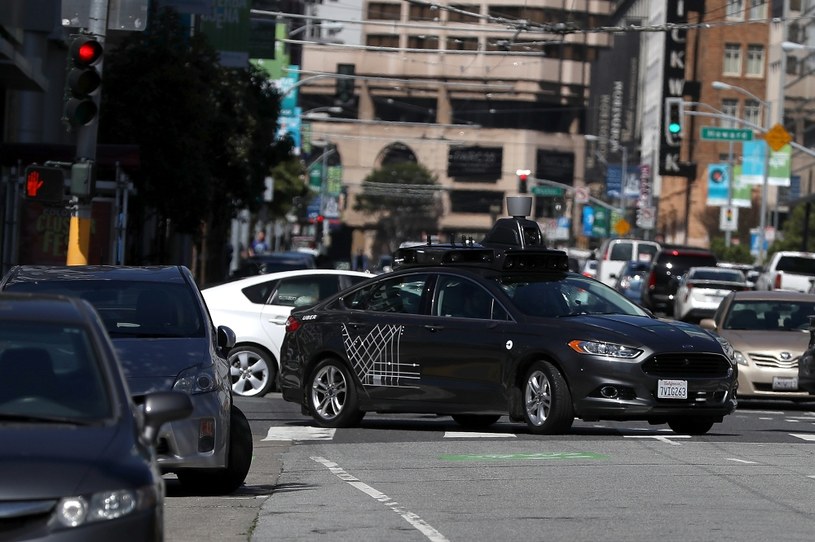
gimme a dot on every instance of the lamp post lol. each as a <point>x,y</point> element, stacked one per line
<point>762,225</point>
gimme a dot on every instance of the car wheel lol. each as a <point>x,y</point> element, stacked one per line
<point>239,459</point>
<point>476,421</point>
<point>253,371</point>
<point>332,395</point>
<point>691,426</point>
<point>547,400</point>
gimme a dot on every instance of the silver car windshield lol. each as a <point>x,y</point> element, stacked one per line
<point>50,373</point>
<point>563,296</point>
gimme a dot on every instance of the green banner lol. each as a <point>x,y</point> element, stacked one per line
<point>780,166</point>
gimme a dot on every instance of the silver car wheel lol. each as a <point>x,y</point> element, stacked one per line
<point>538,397</point>
<point>329,391</point>
<point>249,373</point>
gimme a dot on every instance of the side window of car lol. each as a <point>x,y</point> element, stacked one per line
<point>399,294</point>
<point>621,251</point>
<point>259,293</point>
<point>463,298</point>
<point>304,291</point>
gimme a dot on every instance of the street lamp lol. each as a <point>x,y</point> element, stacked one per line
<point>792,46</point>
<point>762,225</point>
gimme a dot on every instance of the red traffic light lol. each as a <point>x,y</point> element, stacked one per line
<point>85,51</point>
<point>320,219</point>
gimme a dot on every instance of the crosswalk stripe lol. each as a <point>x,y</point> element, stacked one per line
<point>300,433</point>
<point>810,437</point>
<point>471,434</point>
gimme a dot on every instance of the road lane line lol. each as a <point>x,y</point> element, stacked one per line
<point>299,433</point>
<point>810,437</point>
<point>661,438</point>
<point>741,461</point>
<point>473,434</point>
<point>417,522</point>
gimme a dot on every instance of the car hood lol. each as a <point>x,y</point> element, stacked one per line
<point>642,330</point>
<point>752,340</point>
<point>44,461</point>
<point>154,364</point>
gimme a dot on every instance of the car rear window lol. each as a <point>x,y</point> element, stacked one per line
<point>621,252</point>
<point>797,264</point>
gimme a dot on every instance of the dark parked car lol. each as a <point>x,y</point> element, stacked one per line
<point>479,333</point>
<point>76,459</point>
<point>630,280</point>
<point>273,262</point>
<point>667,267</point>
<point>165,340</point>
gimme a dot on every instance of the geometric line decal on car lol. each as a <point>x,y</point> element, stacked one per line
<point>376,358</point>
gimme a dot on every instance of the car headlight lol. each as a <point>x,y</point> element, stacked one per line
<point>729,351</point>
<point>599,348</point>
<point>196,380</point>
<point>104,505</point>
<point>739,358</point>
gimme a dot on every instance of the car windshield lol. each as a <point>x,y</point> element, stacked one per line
<point>50,373</point>
<point>132,309</point>
<point>769,315</point>
<point>558,296</point>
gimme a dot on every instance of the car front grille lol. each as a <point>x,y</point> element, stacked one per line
<point>687,365</point>
<point>766,360</point>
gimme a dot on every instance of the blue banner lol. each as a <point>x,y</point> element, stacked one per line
<point>752,163</point>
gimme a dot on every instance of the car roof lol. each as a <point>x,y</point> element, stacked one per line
<point>773,295</point>
<point>257,279</point>
<point>156,273</point>
<point>45,308</point>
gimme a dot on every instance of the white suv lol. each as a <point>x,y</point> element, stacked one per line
<point>615,253</point>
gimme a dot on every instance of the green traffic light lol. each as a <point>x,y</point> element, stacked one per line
<point>674,128</point>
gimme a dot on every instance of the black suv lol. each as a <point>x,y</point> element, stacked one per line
<point>668,266</point>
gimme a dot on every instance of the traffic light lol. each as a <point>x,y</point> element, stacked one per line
<point>523,180</point>
<point>44,184</point>
<point>83,80</point>
<point>345,83</point>
<point>674,118</point>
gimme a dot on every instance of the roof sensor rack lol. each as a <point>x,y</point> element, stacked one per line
<point>517,230</point>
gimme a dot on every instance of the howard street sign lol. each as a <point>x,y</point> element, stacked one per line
<point>712,133</point>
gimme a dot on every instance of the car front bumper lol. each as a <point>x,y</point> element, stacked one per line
<point>758,382</point>
<point>199,441</point>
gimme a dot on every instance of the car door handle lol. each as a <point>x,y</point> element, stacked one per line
<point>433,328</point>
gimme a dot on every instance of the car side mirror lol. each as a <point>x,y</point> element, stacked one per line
<point>226,338</point>
<point>708,324</point>
<point>161,407</point>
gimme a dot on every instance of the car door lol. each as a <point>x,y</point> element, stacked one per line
<point>293,292</point>
<point>465,362</point>
<point>382,337</point>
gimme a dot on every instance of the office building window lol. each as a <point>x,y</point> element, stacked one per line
<point>735,10</point>
<point>755,60</point>
<point>423,12</point>
<point>423,41</point>
<point>732,59</point>
<point>752,113</point>
<point>731,109</point>
<point>758,9</point>
<point>463,13</point>
<point>383,11</point>
<point>462,44</point>
<point>382,40</point>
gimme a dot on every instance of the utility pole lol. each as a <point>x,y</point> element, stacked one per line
<point>80,226</point>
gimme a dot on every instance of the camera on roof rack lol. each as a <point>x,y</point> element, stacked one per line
<point>516,230</point>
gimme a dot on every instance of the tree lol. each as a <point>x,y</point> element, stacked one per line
<point>404,199</point>
<point>206,136</point>
<point>791,236</point>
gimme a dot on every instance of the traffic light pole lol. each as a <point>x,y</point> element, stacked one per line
<point>80,226</point>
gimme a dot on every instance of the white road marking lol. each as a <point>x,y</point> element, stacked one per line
<point>299,433</point>
<point>472,434</point>
<point>790,420</point>
<point>804,436</point>
<point>661,438</point>
<point>765,418</point>
<point>421,525</point>
<point>741,461</point>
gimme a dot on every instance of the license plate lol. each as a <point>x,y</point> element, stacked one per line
<point>672,389</point>
<point>785,383</point>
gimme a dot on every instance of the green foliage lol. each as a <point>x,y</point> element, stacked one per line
<point>404,198</point>
<point>791,236</point>
<point>735,253</point>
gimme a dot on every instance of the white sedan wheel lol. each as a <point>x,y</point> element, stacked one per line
<point>251,371</point>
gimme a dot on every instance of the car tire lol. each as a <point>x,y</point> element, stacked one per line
<point>547,406</point>
<point>253,371</point>
<point>331,394</point>
<point>691,426</point>
<point>239,460</point>
<point>476,421</point>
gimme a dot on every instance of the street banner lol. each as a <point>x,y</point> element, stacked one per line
<point>742,193</point>
<point>754,154</point>
<point>780,166</point>
<point>588,220</point>
<point>718,178</point>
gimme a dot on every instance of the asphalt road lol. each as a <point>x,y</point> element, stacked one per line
<point>400,477</point>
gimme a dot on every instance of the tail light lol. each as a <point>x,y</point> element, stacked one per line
<point>292,324</point>
<point>652,280</point>
<point>777,282</point>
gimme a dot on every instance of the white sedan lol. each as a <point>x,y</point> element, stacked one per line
<point>256,308</point>
<point>702,289</point>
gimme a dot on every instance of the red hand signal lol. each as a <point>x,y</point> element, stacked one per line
<point>33,184</point>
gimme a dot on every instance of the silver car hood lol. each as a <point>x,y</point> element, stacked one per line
<point>752,340</point>
<point>154,364</point>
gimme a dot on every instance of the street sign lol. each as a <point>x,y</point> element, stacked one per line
<point>729,218</point>
<point>551,191</point>
<point>713,133</point>
<point>581,194</point>
<point>776,137</point>
<point>646,216</point>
